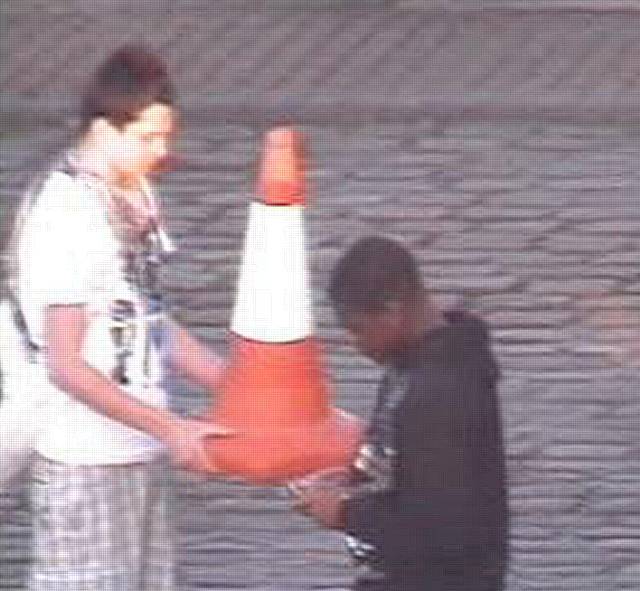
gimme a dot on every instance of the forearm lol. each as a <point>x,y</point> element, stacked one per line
<point>408,527</point>
<point>183,437</point>
<point>94,389</point>
<point>65,329</point>
<point>195,361</point>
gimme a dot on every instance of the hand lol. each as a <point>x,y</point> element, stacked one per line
<point>325,505</point>
<point>335,477</point>
<point>186,441</point>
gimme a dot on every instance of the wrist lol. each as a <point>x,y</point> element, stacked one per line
<point>341,512</point>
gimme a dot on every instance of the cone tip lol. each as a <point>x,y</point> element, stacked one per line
<point>281,180</point>
<point>282,134</point>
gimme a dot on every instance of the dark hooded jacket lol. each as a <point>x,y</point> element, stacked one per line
<point>443,523</point>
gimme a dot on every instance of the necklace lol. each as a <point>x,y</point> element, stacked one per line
<point>131,211</point>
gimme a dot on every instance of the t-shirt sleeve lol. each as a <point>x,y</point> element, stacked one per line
<point>63,256</point>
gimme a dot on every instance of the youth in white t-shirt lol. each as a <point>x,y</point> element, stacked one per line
<point>68,255</point>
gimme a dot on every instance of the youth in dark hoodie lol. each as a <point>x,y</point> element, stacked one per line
<point>429,510</point>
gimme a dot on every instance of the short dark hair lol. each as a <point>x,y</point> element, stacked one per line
<point>374,271</point>
<point>130,80</point>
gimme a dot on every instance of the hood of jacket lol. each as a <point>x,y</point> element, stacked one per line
<point>464,343</point>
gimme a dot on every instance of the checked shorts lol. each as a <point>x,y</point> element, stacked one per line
<point>101,528</point>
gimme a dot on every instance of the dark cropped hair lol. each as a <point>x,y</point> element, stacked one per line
<point>130,80</point>
<point>372,273</point>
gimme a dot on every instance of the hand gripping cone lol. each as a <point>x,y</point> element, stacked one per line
<point>275,395</point>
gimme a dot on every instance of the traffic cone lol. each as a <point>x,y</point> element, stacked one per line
<point>275,395</point>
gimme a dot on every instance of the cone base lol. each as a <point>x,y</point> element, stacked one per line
<point>279,456</point>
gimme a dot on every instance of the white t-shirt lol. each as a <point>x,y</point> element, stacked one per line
<point>68,254</point>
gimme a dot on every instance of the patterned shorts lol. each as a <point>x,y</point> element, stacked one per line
<point>101,528</point>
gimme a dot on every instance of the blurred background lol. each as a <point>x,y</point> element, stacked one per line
<point>499,139</point>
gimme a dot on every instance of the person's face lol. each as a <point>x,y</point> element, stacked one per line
<point>142,146</point>
<point>378,335</point>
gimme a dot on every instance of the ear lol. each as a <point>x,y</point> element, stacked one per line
<point>393,306</point>
<point>394,311</point>
<point>401,315</point>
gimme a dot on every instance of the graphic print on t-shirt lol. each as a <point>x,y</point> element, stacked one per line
<point>123,333</point>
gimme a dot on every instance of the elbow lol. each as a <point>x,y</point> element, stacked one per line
<point>63,375</point>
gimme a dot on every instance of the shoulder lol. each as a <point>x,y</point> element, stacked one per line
<point>66,207</point>
<point>69,194</point>
<point>468,326</point>
<point>66,235</point>
<point>434,388</point>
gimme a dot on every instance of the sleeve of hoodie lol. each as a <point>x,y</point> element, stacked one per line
<point>429,509</point>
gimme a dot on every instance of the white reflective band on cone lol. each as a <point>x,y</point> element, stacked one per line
<point>272,301</point>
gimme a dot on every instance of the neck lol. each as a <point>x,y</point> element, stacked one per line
<point>433,318</point>
<point>91,159</point>
<point>421,317</point>
<point>126,196</point>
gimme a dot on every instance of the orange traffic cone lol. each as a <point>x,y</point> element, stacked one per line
<point>275,395</point>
